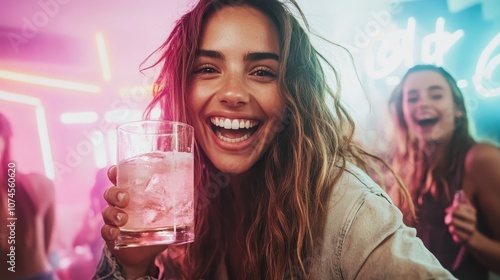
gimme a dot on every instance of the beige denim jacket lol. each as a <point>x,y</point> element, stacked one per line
<point>364,238</point>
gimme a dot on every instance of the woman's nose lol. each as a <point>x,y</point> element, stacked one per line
<point>233,93</point>
<point>423,102</point>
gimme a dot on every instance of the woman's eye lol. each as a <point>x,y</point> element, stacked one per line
<point>412,99</point>
<point>264,72</point>
<point>204,70</point>
<point>437,97</point>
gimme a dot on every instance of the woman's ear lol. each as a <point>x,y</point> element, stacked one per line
<point>458,113</point>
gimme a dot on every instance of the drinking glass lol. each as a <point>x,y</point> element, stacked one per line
<point>155,165</point>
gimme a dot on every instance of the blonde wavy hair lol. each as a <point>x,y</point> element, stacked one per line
<point>300,168</point>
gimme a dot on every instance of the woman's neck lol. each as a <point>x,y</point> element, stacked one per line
<point>433,152</point>
<point>242,186</point>
<point>240,189</point>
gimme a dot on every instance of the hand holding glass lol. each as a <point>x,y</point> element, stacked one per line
<point>155,165</point>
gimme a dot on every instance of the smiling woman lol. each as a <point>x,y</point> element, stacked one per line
<point>235,80</point>
<point>278,193</point>
<point>438,159</point>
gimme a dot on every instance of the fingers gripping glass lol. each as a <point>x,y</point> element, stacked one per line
<point>155,165</point>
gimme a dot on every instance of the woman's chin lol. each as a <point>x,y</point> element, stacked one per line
<point>231,170</point>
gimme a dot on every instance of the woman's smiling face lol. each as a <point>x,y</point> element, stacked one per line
<point>233,91</point>
<point>428,106</point>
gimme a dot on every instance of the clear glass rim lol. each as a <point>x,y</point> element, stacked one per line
<point>125,127</point>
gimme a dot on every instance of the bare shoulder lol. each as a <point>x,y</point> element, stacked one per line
<point>482,155</point>
<point>41,179</point>
<point>483,163</point>
<point>41,185</point>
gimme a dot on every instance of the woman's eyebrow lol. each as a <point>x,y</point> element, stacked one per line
<point>210,53</point>
<point>435,87</point>
<point>412,91</point>
<point>253,56</point>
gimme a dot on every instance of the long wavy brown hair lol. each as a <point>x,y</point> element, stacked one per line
<point>422,176</point>
<point>300,168</point>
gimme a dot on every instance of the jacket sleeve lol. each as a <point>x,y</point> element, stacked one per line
<point>379,246</point>
<point>109,269</point>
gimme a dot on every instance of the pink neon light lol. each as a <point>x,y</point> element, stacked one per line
<point>103,57</point>
<point>41,121</point>
<point>79,117</point>
<point>37,80</point>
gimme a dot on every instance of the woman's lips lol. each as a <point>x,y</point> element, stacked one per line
<point>228,123</point>
<point>233,131</point>
<point>427,122</point>
<point>232,140</point>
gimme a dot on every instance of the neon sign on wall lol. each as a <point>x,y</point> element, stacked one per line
<point>484,81</point>
<point>396,49</point>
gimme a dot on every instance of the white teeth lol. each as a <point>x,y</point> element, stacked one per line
<point>227,124</point>
<point>233,123</point>
<point>230,140</point>
<point>425,115</point>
